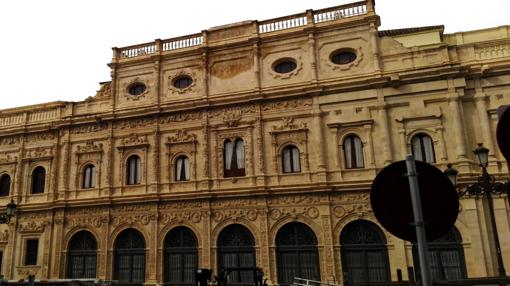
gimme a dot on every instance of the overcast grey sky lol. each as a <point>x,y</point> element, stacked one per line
<point>58,49</point>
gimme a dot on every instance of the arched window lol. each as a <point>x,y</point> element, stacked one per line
<point>423,148</point>
<point>181,257</point>
<point>89,177</point>
<point>234,158</point>
<point>236,249</point>
<point>82,256</point>
<point>134,170</point>
<point>353,152</point>
<point>364,254</point>
<point>5,185</point>
<point>182,169</point>
<point>296,253</point>
<point>129,264</point>
<point>446,257</point>
<point>290,159</point>
<point>38,180</point>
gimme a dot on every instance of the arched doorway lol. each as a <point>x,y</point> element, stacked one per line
<point>236,248</point>
<point>129,257</point>
<point>82,256</point>
<point>446,257</point>
<point>364,254</point>
<point>180,257</point>
<point>296,253</point>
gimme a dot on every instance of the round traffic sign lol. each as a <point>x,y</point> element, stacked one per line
<point>391,201</point>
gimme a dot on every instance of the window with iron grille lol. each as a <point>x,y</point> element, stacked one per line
<point>38,180</point>
<point>236,248</point>
<point>5,185</point>
<point>423,148</point>
<point>31,251</point>
<point>82,256</point>
<point>134,170</point>
<point>290,159</point>
<point>296,253</point>
<point>353,152</point>
<point>446,257</point>
<point>89,177</point>
<point>234,158</point>
<point>180,257</point>
<point>129,257</point>
<point>364,254</point>
<point>182,169</point>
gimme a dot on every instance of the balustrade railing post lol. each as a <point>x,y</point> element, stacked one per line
<point>309,18</point>
<point>370,6</point>
<point>204,38</point>
<point>159,46</point>
<point>115,54</point>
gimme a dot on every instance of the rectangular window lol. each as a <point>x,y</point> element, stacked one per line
<point>31,252</point>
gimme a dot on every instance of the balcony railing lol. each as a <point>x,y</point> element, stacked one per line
<point>267,26</point>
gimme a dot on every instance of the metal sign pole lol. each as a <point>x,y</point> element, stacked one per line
<point>418,221</point>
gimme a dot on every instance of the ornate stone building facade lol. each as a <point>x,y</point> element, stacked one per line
<point>255,143</point>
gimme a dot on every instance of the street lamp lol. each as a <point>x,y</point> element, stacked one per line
<point>486,185</point>
<point>9,212</point>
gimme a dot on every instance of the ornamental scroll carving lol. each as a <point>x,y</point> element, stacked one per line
<point>360,209</point>
<point>135,123</point>
<point>143,219</point>
<point>134,81</point>
<point>41,136</point>
<point>294,212</point>
<point>180,217</point>
<point>181,116</point>
<point>289,130</point>
<point>294,200</point>
<point>235,214</point>
<point>176,90</point>
<point>25,271</point>
<point>232,115</point>
<point>90,147</point>
<point>95,221</point>
<point>287,104</point>
<point>90,128</point>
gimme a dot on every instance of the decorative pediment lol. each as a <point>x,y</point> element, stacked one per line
<point>90,147</point>
<point>182,136</point>
<point>133,140</point>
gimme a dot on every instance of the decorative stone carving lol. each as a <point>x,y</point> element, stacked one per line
<point>95,221</point>
<point>299,67</point>
<point>359,57</point>
<point>6,159</point>
<point>105,90</point>
<point>32,227</point>
<point>293,200</point>
<point>232,117</point>
<point>229,203</point>
<point>25,271</point>
<point>135,123</point>
<point>189,88</point>
<point>90,147</point>
<point>187,216</point>
<point>235,214</point>
<point>182,136</point>
<point>181,116</point>
<point>347,209</point>
<point>89,128</point>
<point>143,219</point>
<point>136,80</point>
<point>311,212</point>
<point>9,140</point>
<point>287,104</point>
<point>41,136</point>
<point>38,152</point>
<point>182,205</point>
<point>4,237</point>
<point>133,140</point>
<point>288,124</point>
<point>131,208</point>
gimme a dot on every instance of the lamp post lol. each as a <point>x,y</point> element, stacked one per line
<point>486,185</point>
<point>9,212</point>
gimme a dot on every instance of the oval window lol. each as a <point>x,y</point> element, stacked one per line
<point>285,66</point>
<point>343,57</point>
<point>136,89</point>
<point>183,82</point>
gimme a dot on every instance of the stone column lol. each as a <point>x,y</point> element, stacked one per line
<point>483,117</point>
<point>458,131</point>
<point>385,132</point>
